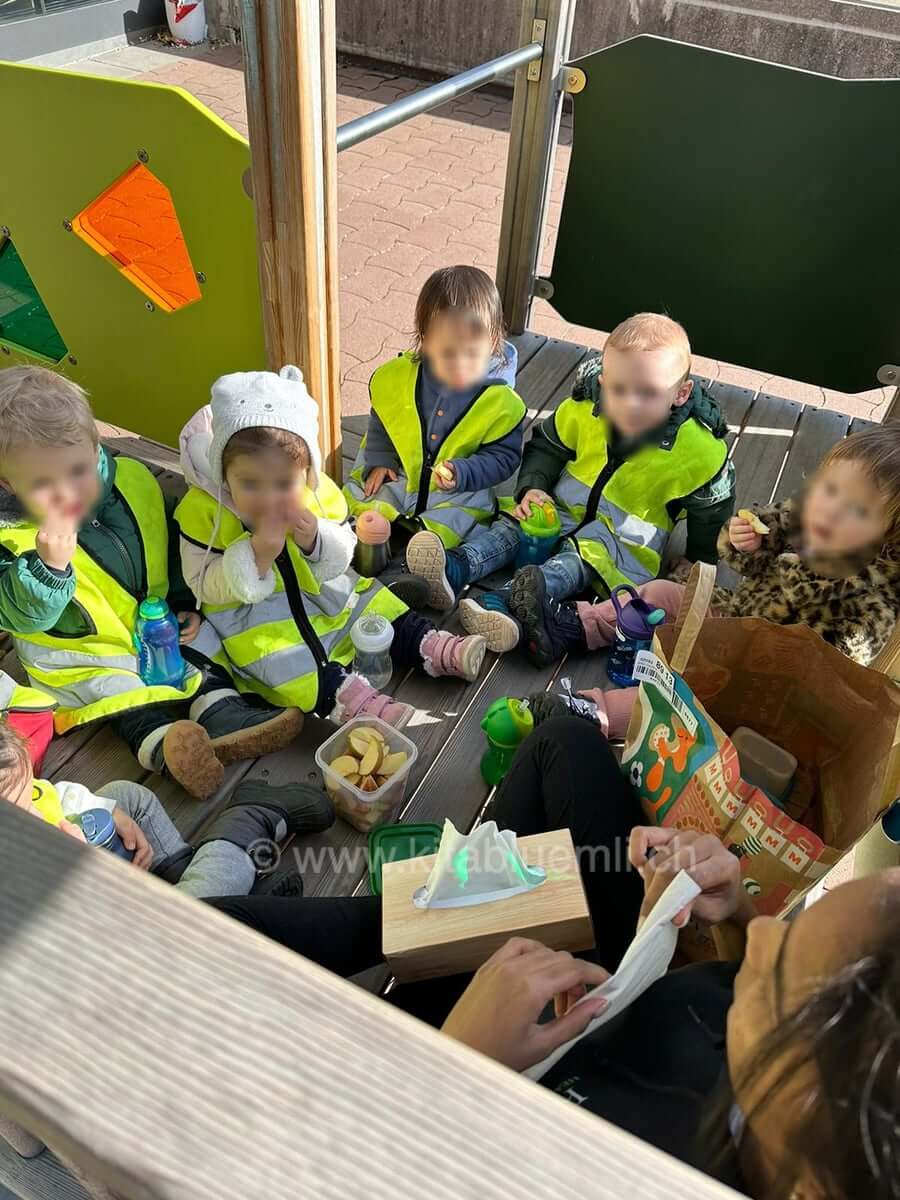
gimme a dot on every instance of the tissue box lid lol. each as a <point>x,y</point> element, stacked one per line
<point>424,943</point>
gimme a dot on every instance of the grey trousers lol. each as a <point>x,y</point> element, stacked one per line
<point>217,869</point>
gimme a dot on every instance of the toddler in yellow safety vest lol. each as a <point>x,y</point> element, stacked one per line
<point>223,864</point>
<point>638,445</point>
<point>445,427</point>
<point>84,538</point>
<point>266,546</point>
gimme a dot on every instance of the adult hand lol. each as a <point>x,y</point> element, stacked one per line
<point>533,496</point>
<point>498,1013</point>
<point>708,862</point>
<point>445,476</point>
<point>133,838</point>
<point>57,540</point>
<point>743,536</point>
<point>189,626</point>
<point>376,478</point>
<point>306,530</point>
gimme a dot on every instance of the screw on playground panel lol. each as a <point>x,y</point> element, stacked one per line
<point>150,306</point>
<point>67,226</point>
<point>143,156</point>
<point>5,349</point>
<point>201,277</point>
<point>4,231</point>
<point>73,360</point>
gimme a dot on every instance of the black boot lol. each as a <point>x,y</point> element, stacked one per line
<point>257,813</point>
<point>550,629</point>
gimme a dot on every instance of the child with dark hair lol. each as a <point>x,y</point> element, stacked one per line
<point>445,426</point>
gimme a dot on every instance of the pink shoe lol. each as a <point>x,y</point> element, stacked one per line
<point>446,653</point>
<point>357,698</point>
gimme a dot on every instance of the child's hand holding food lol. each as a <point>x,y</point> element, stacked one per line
<point>445,476</point>
<point>522,511</point>
<point>57,540</point>
<point>268,540</point>
<point>745,531</point>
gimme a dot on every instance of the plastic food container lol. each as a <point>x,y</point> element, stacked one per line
<point>763,763</point>
<point>397,843</point>
<point>365,810</point>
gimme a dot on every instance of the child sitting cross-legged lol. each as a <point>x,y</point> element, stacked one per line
<point>266,547</point>
<point>636,446</point>
<point>220,866</point>
<point>84,538</point>
<point>830,561</point>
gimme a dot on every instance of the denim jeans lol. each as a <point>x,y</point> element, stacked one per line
<point>566,574</point>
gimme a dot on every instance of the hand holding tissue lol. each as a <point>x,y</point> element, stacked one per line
<point>448,913</point>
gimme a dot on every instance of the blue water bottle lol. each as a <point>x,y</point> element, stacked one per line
<point>99,829</point>
<point>635,622</point>
<point>156,642</point>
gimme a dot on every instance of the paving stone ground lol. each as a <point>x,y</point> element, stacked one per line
<point>417,197</point>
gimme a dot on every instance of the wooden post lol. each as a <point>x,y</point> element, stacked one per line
<point>537,106</point>
<point>289,71</point>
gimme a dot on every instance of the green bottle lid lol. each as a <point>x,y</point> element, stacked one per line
<point>507,722</point>
<point>153,608</point>
<point>543,522</point>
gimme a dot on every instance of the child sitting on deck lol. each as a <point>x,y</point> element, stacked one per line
<point>220,866</point>
<point>84,538</point>
<point>622,459</point>
<point>266,548</point>
<point>445,426</point>
<point>831,561</point>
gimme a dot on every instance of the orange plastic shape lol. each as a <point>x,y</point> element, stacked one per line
<point>135,225</point>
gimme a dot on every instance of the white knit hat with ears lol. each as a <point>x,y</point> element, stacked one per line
<point>252,399</point>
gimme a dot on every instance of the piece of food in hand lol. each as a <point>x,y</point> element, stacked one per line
<point>753,520</point>
<point>345,765</point>
<point>391,763</point>
<point>444,472</point>
<point>371,760</point>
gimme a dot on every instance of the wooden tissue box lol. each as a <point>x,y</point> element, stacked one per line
<point>423,943</point>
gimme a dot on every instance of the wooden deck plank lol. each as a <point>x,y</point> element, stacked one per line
<point>40,1178</point>
<point>858,424</point>
<point>547,378</point>
<point>103,759</point>
<point>527,344</point>
<point>817,431</point>
<point>762,446</point>
<point>735,403</point>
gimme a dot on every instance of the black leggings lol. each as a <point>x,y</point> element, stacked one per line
<point>564,776</point>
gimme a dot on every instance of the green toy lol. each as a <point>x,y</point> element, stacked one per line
<point>507,722</point>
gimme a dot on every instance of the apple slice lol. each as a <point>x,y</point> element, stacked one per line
<point>360,740</point>
<point>368,783</point>
<point>748,515</point>
<point>371,760</point>
<point>345,765</point>
<point>391,763</point>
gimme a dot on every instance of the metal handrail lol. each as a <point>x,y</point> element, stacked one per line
<point>399,111</point>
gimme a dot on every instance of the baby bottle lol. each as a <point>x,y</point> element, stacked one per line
<point>540,532</point>
<point>635,622</point>
<point>372,636</point>
<point>156,642</point>
<point>373,552</point>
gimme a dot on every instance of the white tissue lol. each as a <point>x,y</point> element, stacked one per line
<point>646,960</point>
<point>476,868</point>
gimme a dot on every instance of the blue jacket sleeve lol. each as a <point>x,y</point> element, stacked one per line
<point>379,450</point>
<point>33,596</point>
<point>492,464</point>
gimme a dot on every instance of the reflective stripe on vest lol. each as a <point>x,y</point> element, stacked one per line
<point>96,675</point>
<point>625,539</point>
<point>269,650</point>
<point>15,697</point>
<point>45,799</point>
<point>493,414</point>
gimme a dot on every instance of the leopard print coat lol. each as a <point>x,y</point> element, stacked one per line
<point>855,612</point>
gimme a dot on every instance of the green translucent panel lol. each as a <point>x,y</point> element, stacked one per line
<point>758,204</point>
<point>24,319</point>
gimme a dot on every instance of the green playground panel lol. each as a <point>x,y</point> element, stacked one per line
<point>25,323</point>
<point>758,204</point>
<point>144,368</point>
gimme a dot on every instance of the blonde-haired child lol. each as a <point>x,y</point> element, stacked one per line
<point>830,560</point>
<point>446,426</point>
<point>266,547</point>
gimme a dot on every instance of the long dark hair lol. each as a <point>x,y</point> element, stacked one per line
<point>846,1134</point>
